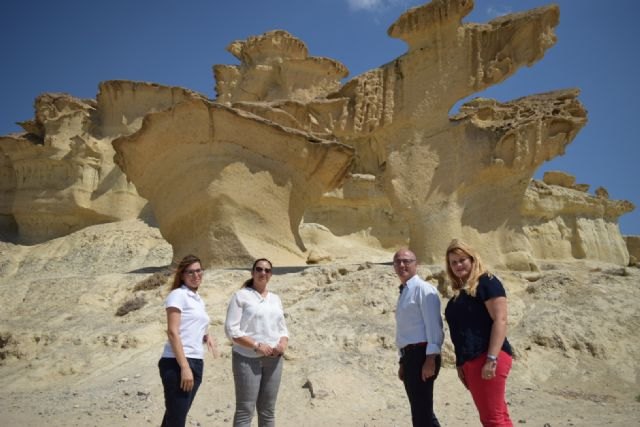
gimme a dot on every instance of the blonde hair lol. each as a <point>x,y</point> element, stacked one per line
<point>470,286</point>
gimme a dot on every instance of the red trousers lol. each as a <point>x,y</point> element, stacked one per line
<point>489,395</point>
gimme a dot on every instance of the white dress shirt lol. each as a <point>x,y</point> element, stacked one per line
<point>262,319</point>
<point>418,316</point>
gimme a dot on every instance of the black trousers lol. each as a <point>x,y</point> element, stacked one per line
<point>177,401</point>
<point>420,393</point>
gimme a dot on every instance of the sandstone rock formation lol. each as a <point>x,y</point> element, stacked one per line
<point>284,142</point>
<point>59,175</point>
<point>273,67</point>
<point>229,185</point>
<point>561,222</point>
<point>633,245</point>
<point>467,176</point>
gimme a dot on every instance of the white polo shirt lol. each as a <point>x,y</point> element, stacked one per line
<point>194,322</point>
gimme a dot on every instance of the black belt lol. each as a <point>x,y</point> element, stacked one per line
<point>408,347</point>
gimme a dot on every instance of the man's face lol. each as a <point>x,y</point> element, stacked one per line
<point>405,265</point>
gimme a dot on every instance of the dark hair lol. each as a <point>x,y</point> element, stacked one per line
<point>249,283</point>
<point>186,262</point>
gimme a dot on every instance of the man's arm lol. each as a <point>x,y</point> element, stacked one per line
<point>434,330</point>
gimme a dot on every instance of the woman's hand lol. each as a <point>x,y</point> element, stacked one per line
<point>461,377</point>
<point>186,378</point>
<point>489,369</point>
<point>280,348</point>
<point>212,346</point>
<point>264,350</point>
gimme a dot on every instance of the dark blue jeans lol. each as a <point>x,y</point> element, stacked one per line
<point>420,393</point>
<point>177,401</point>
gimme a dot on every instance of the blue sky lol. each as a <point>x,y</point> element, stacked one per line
<point>72,45</point>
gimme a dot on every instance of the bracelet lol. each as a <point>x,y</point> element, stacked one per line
<point>492,358</point>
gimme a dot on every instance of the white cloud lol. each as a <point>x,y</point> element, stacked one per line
<point>365,4</point>
<point>494,12</point>
<point>379,5</point>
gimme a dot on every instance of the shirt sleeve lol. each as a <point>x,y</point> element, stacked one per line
<point>433,320</point>
<point>175,299</point>
<point>282,326</point>
<point>490,287</point>
<point>234,316</point>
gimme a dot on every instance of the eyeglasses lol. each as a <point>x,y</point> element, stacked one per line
<point>260,270</point>
<point>403,261</point>
<point>458,261</point>
<point>194,272</point>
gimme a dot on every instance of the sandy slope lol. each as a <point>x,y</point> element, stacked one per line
<point>66,359</point>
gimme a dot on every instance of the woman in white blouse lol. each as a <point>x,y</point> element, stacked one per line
<point>255,323</point>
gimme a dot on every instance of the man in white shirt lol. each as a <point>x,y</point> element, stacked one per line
<point>419,337</point>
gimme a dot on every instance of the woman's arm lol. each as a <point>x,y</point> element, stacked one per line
<point>497,308</point>
<point>235,334</point>
<point>283,342</point>
<point>173,333</point>
<point>212,345</point>
<point>281,347</point>
<point>258,347</point>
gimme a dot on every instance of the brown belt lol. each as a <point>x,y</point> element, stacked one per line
<point>408,347</point>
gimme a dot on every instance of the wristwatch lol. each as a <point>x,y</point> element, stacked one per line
<point>492,358</point>
<point>256,344</point>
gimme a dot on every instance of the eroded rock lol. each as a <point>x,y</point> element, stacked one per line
<point>378,157</point>
<point>228,185</point>
<point>59,176</point>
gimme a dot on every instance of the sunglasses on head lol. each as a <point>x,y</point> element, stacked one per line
<point>260,270</point>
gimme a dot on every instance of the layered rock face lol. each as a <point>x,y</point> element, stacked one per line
<point>285,142</point>
<point>228,185</point>
<point>561,221</point>
<point>59,175</point>
<point>466,176</point>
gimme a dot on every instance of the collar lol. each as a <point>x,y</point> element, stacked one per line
<point>190,292</point>
<point>407,284</point>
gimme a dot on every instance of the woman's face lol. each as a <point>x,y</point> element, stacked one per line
<point>261,273</point>
<point>192,276</point>
<point>460,264</point>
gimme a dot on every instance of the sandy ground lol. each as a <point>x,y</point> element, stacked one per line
<point>67,359</point>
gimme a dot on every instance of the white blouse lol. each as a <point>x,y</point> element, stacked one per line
<point>262,319</point>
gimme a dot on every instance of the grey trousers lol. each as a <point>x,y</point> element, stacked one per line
<point>257,382</point>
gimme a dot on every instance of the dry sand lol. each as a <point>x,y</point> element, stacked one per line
<point>67,359</point>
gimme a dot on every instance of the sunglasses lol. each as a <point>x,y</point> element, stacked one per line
<point>260,270</point>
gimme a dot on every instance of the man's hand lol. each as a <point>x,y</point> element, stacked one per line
<point>461,377</point>
<point>429,367</point>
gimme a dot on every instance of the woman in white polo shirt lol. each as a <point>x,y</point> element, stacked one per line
<point>255,323</point>
<point>181,365</point>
